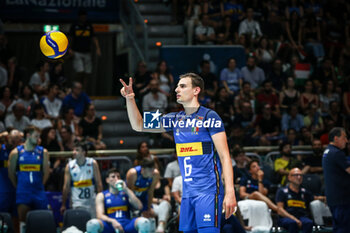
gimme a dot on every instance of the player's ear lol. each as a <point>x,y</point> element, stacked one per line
<point>197,90</point>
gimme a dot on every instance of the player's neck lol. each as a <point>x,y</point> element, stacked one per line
<point>294,187</point>
<point>81,161</point>
<point>191,107</point>
<point>29,146</point>
<point>113,191</point>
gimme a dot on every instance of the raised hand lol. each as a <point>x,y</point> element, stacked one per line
<point>127,91</point>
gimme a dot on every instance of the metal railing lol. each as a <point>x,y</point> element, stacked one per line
<point>134,25</point>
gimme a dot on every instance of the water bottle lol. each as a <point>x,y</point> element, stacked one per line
<point>119,185</point>
<point>3,227</point>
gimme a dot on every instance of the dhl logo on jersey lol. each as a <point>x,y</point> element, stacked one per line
<point>82,33</point>
<point>189,149</point>
<point>29,167</point>
<point>140,189</point>
<point>296,203</point>
<point>113,209</point>
<point>82,183</point>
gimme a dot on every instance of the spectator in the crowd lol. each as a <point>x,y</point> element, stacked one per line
<point>176,191</point>
<point>155,99</point>
<point>344,58</point>
<point>224,106</point>
<point>193,11</point>
<point>239,164</point>
<point>294,6</point>
<point>289,96</point>
<point>28,170</point>
<point>6,100</point>
<point>83,179</point>
<point>268,96</point>
<point>81,35</point>
<point>246,94</point>
<point>267,127</point>
<point>335,114</point>
<point>210,80</point>
<point>40,80</point>
<point>324,73</point>
<point>49,140</point>
<point>231,77</point>
<point>293,29</point>
<point>16,75</point>
<point>272,27</point>
<point>51,103</point>
<point>292,119</point>
<point>77,99</point>
<point>26,98</point>
<point>142,181</point>
<point>143,152</point>
<point>17,119</point>
<point>165,78</point>
<point>295,200</point>
<point>346,101</point>
<point>249,26</point>
<point>204,33</point>
<point>113,206</point>
<point>327,96</point>
<point>246,119</point>
<point>142,78</point>
<point>313,120</point>
<point>68,120</point>
<point>3,75</point>
<point>285,163</point>
<point>277,76</point>
<point>227,33</point>
<point>172,170</point>
<point>90,128</point>
<point>161,203</point>
<point>39,119</point>
<point>313,8</point>
<point>308,97</point>
<point>255,186</point>
<point>305,136</point>
<point>67,138</point>
<point>292,137</point>
<point>312,37</point>
<point>233,10</point>
<point>57,76</point>
<point>313,163</point>
<point>264,54</point>
<point>252,73</point>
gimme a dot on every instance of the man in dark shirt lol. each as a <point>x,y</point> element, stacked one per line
<point>336,169</point>
<point>295,200</point>
<point>314,162</point>
<point>81,35</point>
<point>77,99</point>
<point>210,80</point>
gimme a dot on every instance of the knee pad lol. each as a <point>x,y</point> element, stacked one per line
<point>93,226</point>
<point>143,225</point>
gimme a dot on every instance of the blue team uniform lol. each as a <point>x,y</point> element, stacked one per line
<point>30,189</point>
<point>200,167</point>
<point>141,187</point>
<point>251,184</point>
<point>7,191</point>
<point>117,207</point>
<point>297,205</point>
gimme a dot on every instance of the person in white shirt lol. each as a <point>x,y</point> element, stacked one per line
<point>205,34</point>
<point>154,100</point>
<point>52,104</point>
<point>249,26</point>
<point>40,80</point>
<point>17,119</point>
<point>172,170</point>
<point>39,119</point>
<point>80,178</point>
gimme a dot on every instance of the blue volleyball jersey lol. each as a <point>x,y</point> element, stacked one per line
<point>29,173</point>
<point>5,183</point>
<point>200,167</point>
<point>141,185</point>
<point>116,205</point>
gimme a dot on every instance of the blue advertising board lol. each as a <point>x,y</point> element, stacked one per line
<point>183,59</point>
<point>59,10</point>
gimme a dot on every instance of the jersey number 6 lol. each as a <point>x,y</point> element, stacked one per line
<point>188,167</point>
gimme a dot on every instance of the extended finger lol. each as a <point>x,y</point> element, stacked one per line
<point>122,81</point>
<point>130,82</point>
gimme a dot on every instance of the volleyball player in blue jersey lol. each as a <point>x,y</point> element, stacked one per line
<point>203,193</point>
<point>28,171</point>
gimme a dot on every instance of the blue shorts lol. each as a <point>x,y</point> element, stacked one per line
<point>8,203</point>
<point>127,224</point>
<point>203,210</point>
<point>37,201</point>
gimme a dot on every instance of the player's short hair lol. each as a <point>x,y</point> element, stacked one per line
<point>196,80</point>
<point>112,170</point>
<point>336,131</point>
<point>83,145</point>
<point>30,129</point>
<point>147,163</point>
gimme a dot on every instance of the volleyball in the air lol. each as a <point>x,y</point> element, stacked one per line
<point>54,44</point>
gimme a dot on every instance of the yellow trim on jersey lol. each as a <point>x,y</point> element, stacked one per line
<point>296,203</point>
<point>140,189</point>
<point>111,210</point>
<point>29,167</point>
<point>189,149</point>
<point>82,183</point>
<point>6,163</point>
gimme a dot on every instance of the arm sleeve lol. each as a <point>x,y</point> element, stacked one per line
<point>223,75</point>
<point>243,182</point>
<point>219,124</point>
<point>280,197</point>
<point>341,160</point>
<point>176,184</point>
